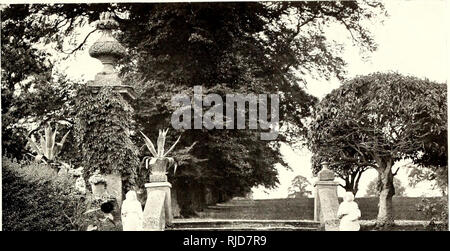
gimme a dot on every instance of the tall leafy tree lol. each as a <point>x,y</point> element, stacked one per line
<point>300,187</point>
<point>386,117</point>
<point>33,93</point>
<point>19,61</point>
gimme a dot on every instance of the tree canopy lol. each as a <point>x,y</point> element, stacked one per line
<point>378,119</point>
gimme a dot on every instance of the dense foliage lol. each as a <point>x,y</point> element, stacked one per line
<point>266,47</point>
<point>437,212</point>
<point>34,198</point>
<point>378,119</point>
<point>103,137</point>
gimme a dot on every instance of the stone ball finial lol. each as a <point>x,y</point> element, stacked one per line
<point>107,46</point>
<point>326,174</point>
<point>108,50</point>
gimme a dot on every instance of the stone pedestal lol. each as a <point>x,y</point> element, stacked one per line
<point>326,202</point>
<point>108,50</point>
<point>158,209</point>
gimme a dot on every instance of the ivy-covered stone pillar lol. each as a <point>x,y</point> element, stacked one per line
<point>103,122</point>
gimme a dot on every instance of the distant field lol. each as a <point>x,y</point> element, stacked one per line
<point>405,208</point>
<point>294,209</point>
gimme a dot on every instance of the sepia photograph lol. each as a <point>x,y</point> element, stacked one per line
<point>198,116</point>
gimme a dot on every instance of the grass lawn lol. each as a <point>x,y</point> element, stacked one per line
<point>303,208</point>
<point>400,225</point>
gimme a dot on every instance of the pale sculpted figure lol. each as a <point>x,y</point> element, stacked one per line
<point>132,215</point>
<point>349,214</point>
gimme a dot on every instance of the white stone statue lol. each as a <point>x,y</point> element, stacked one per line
<point>349,213</point>
<point>132,215</point>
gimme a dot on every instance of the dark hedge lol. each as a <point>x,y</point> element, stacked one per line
<point>35,198</point>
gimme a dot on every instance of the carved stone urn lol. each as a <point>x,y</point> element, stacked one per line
<point>158,170</point>
<point>108,50</point>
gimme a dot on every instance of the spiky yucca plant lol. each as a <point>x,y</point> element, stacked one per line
<point>47,149</point>
<point>159,152</point>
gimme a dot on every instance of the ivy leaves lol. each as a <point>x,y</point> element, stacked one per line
<point>102,133</point>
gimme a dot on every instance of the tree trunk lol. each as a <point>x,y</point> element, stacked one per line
<point>355,190</point>
<point>190,198</point>
<point>351,185</point>
<point>349,188</point>
<point>385,216</point>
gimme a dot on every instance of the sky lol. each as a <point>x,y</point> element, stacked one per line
<point>413,40</point>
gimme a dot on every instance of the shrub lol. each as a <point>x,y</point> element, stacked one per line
<point>36,198</point>
<point>437,212</point>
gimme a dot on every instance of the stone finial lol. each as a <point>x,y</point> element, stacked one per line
<point>107,46</point>
<point>326,174</point>
<point>108,50</point>
<point>107,22</point>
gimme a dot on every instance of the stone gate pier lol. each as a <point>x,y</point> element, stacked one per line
<point>326,202</point>
<point>158,207</point>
